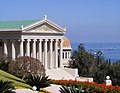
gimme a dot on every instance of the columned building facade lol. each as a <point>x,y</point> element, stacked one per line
<point>40,39</point>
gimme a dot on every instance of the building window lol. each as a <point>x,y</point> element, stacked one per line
<point>1,43</point>
<point>66,55</point>
<point>63,55</point>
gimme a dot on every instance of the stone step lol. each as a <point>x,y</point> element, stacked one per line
<point>59,73</point>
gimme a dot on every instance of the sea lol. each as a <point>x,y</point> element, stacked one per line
<point>110,51</point>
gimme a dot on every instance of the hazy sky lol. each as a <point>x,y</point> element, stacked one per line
<point>86,20</point>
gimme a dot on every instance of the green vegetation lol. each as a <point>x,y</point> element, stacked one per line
<point>84,61</point>
<point>94,65</point>
<point>16,81</point>
<point>40,81</point>
<point>73,89</point>
<point>23,66</point>
<point>4,62</point>
<point>6,87</point>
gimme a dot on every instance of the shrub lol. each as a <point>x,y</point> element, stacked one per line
<point>23,66</point>
<point>40,81</point>
<point>4,63</point>
<point>71,89</point>
<point>6,87</point>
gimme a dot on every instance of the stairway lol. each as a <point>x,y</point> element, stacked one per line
<point>59,73</point>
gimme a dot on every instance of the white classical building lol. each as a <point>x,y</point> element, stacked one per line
<point>40,39</point>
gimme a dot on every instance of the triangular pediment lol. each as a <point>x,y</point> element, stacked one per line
<point>44,26</point>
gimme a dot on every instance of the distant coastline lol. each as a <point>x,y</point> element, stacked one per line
<point>110,50</point>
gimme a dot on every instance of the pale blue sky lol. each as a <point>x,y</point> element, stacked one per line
<point>86,20</point>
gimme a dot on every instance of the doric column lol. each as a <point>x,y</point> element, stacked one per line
<point>61,51</point>
<point>28,47</point>
<point>56,53</point>
<point>51,53</point>
<point>34,48</point>
<point>13,49</point>
<point>5,48</point>
<point>40,50</point>
<point>21,48</point>
<point>45,47</point>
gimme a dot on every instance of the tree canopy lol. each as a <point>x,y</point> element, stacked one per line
<point>24,66</point>
<point>94,65</point>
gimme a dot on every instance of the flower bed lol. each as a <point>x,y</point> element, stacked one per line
<point>93,86</point>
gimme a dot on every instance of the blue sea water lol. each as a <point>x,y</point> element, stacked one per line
<point>110,50</point>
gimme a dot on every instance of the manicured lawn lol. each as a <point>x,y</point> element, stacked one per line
<point>17,82</point>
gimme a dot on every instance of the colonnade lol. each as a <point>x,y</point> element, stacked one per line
<point>46,50</point>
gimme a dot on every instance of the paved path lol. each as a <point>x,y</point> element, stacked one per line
<point>24,91</point>
<point>53,89</point>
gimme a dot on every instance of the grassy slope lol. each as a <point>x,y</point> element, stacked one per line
<point>16,81</point>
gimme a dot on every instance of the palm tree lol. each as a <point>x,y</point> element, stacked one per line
<point>6,87</point>
<point>40,81</point>
<point>73,89</point>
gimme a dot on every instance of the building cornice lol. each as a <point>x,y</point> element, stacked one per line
<point>2,30</point>
<point>25,32</point>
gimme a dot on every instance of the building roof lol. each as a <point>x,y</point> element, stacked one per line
<point>15,24</point>
<point>66,43</point>
<point>25,25</point>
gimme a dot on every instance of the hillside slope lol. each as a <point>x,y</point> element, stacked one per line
<point>16,81</point>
